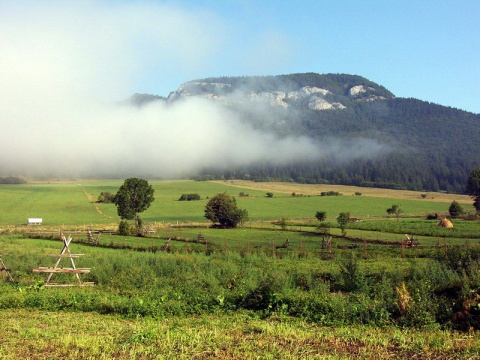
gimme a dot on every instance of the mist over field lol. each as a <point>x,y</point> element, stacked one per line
<point>66,67</point>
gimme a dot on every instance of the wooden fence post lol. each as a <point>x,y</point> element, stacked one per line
<point>445,245</point>
<point>401,245</point>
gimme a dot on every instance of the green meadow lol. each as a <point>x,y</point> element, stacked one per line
<point>192,291</point>
<point>74,203</point>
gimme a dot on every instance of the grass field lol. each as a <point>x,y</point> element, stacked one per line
<point>74,203</point>
<point>315,189</point>
<point>70,335</point>
<point>238,293</point>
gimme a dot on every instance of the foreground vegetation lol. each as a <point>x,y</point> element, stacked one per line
<point>43,334</point>
<point>245,292</point>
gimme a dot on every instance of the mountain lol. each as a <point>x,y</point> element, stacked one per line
<point>419,145</point>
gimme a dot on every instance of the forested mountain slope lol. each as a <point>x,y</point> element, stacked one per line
<point>425,146</point>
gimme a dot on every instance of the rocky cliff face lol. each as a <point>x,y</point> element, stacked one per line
<point>280,95</point>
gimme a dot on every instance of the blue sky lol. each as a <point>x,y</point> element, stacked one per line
<point>424,49</point>
<point>428,50</point>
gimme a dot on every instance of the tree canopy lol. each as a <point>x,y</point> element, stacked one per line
<point>223,209</point>
<point>133,197</point>
<point>455,209</point>
<point>473,187</point>
<point>343,218</point>
<point>395,209</point>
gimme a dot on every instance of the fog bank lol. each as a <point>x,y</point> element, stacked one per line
<point>65,66</point>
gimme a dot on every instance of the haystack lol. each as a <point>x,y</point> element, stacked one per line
<point>445,223</point>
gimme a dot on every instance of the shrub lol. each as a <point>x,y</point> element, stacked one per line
<point>189,197</point>
<point>352,278</point>
<point>330,193</point>
<point>266,295</point>
<point>432,216</point>
<point>455,209</point>
<point>124,228</point>
<point>269,194</point>
<point>324,228</point>
<point>417,305</point>
<point>106,197</point>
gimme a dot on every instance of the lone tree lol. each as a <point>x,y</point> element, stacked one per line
<point>342,219</point>
<point>133,197</point>
<point>223,209</point>
<point>321,215</point>
<point>455,209</point>
<point>473,188</point>
<point>395,209</point>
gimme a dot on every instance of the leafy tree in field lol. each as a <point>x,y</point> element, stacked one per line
<point>455,209</point>
<point>395,209</point>
<point>342,219</point>
<point>321,215</point>
<point>223,209</point>
<point>133,197</point>
<point>473,187</point>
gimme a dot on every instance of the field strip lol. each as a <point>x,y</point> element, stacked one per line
<point>316,189</point>
<point>91,198</point>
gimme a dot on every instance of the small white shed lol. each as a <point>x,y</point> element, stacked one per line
<point>34,221</point>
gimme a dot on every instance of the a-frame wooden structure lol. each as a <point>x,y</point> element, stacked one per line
<point>56,270</point>
<point>4,270</point>
<point>326,246</point>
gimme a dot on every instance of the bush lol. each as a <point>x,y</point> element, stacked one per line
<point>124,228</point>
<point>269,194</point>
<point>189,197</point>
<point>106,197</point>
<point>455,209</point>
<point>352,278</point>
<point>330,193</point>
